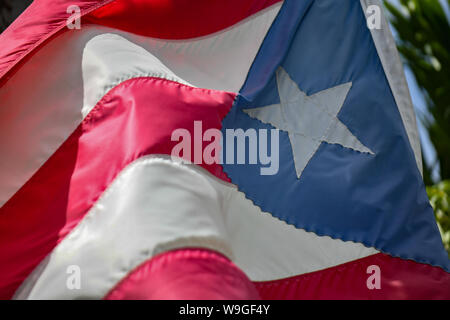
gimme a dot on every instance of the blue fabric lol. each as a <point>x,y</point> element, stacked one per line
<point>377,200</point>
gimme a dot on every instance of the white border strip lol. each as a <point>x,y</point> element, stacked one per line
<point>393,68</point>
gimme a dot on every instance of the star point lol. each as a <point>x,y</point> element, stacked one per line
<point>309,120</point>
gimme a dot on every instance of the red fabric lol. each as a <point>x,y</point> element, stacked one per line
<point>176,19</point>
<point>134,119</point>
<point>187,274</point>
<point>400,279</point>
<point>169,19</point>
<point>203,274</point>
<point>41,20</point>
<point>54,200</point>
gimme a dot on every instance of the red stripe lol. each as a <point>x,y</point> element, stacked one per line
<point>188,274</point>
<point>40,21</point>
<point>134,119</point>
<point>168,19</point>
<point>400,279</point>
<point>179,275</point>
<point>197,274</point>
<point>176,19</point>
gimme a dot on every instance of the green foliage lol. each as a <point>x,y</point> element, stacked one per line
<point>439,195</point>
<point>424,42</point>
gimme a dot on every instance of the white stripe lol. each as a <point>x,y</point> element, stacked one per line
<point>153,206</point>
<point>109,59</point>
<point>393,68</point>
<point>157,205</point>
<point>40,106</point>
<point>218,62</point>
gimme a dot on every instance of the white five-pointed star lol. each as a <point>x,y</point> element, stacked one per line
<point>309,120</point>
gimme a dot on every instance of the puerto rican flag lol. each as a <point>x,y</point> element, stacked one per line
<point>88,185</point>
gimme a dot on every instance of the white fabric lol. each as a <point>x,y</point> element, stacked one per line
<point>154,205</point>
<point>157,205</point>
<point>393,68</point>
<point>109,59</point>
<point>41,105</point>
<point>309,120</point>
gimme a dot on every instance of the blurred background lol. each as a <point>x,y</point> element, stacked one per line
<point>422,32</point>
